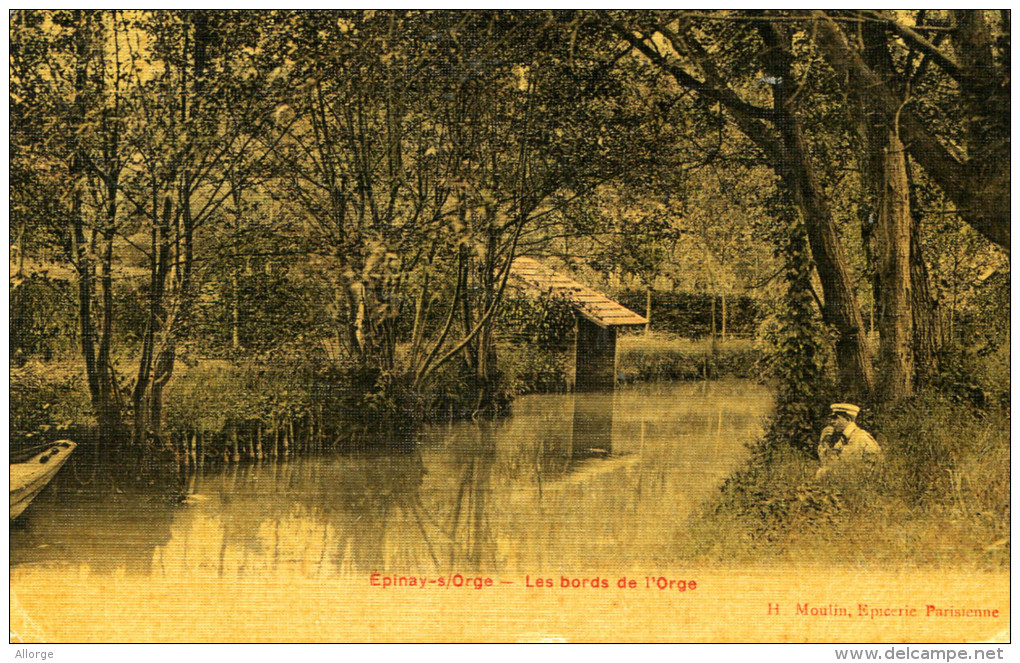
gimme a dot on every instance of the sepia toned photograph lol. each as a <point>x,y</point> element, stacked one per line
<point>510,326</point>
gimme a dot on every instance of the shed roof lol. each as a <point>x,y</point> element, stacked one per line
<point>590,304</point>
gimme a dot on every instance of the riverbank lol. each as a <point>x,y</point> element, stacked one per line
<point>234,410</point>
<point>651,357</point>
<point>246,409</point>
<point>942,499</point>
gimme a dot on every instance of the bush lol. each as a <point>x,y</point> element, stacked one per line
<point>975,366</point>
<point>992,371</point>
<point>536,336</point>
<point>526,370</point>
<point>287,405</point>
<point>43,319</point>
<point>689,314</point>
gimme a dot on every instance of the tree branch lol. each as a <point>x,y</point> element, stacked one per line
<point>919,42</point>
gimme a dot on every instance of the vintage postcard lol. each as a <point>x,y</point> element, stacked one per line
<point>514,326</point>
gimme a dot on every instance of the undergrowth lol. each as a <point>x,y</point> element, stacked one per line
<point>942,498</point>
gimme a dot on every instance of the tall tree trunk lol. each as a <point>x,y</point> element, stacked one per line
<point>789,157</point>
<point>485,372</point>
<point>108,412</point>
<point>97,361</point>
<point>109,415</point>
<point>359,320</point>
<point>891,248</point>
<point>235,312</point>
<point>887,180</point>
<point>154,328</point>
<point>195,43</point>
<point>235,295</point>
<point>470,355</point>
<point>93,255</point>
<point>840,307</point>
<point>85,270</point>
<point>928,338</point>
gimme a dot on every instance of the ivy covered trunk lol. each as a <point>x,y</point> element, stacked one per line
<point>801,356</point>
<point>801,179</point>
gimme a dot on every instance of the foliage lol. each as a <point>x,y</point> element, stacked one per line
<point>293,404</point>
<point>975,367</point>
<point>526,370</point>
<point>536,339</point>
<point>46,399</point>
<point>42,316</point>
<point>197,184</point>
<point>545,322</point>
<point>689,314</point>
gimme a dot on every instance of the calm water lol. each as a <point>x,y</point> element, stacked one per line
<point>568,482</point>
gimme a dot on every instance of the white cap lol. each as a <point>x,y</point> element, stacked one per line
<point>845,408</point>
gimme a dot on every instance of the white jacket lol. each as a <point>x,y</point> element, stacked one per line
<point>855,447</point>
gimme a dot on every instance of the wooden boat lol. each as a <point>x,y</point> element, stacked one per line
<point>30,475</point>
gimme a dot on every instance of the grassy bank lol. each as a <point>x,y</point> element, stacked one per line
<point>646,358</point>
<point>941,499</point>
<point>526,369</point>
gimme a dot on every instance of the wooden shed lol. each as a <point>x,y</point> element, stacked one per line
<point>598,319</point>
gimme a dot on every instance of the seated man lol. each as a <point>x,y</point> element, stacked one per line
<point>843,444</point>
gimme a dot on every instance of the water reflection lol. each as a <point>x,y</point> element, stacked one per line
<point>569,482</point>
<point>318,515</point>
<point>593,425</point>
<point>109,532</point>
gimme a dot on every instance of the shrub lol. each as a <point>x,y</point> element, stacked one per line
<point>43,319</point>
<point>536,334</point>
<point>296,404</point>
<point>525,370</point>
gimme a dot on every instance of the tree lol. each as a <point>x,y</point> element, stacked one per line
<point>883,61</point>
<point>977,68</point>
<point>69,82</point>
<point>136,104</point>
<point>886,217</point>
<point>422,147</point>
<point>675,44</point>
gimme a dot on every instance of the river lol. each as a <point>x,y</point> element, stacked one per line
<point>568,482</point>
